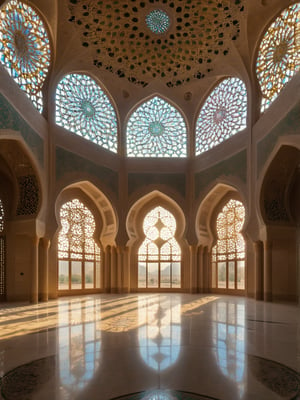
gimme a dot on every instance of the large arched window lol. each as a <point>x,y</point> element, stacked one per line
<point>159,256</point>
<point>83,108</point>
<point>78,254</point>
<point>279,54</point>
<point>228,255</point>
<point>224,114</point>
<point>2,255</point>
<point>25,49</point>
<point>156,129</point>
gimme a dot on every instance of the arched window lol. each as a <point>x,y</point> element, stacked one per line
<point>228,255</point>
<point>2,255</point>
<point>159,256</point>
<point>224,114</point>
<point>83,108</point>
<point>25,49</point>
<point>156,129</point>
<point>279,54</point>
<point>78,254</point>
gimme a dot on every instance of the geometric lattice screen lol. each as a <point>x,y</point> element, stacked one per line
<point>156,129</point>
<point>223,114</point>
<point>159,256</point>
<point>78,253</point>
<point>25,49</point>
<point>228,255</point>
<point>279,54</point>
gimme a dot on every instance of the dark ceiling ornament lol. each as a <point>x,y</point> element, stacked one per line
<point>172,41</point>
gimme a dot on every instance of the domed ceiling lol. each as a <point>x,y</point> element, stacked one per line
<point>174,41</point>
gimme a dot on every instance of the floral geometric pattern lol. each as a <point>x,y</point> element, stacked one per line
<point>158,21</point>
<point>25,49</point>
<point>159,255</point>
<point>178,46</point>
<point>83,108</point>
<point>224,114</point>
<point>279,54</point>
<point>156,129</point>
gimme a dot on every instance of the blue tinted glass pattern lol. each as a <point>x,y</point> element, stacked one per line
<point>24,48</point>
<point>156,129</point>
<point>224,114</point>
<point>83,108</point>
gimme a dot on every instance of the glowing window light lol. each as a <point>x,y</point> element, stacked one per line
<point>279,54</point>
<point>83,108</point>
<point>159,256</point>
<point>224,114</point>
<point>78,254</point>
<point>228,255</point>
<point>158,21</point>
<point>156,129</point>
<point>25,49</point>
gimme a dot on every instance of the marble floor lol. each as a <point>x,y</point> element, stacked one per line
<point>150,346</point>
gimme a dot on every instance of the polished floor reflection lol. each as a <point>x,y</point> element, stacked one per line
<point>150,346</point>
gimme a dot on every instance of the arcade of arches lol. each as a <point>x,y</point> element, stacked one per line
<point>124,190</point>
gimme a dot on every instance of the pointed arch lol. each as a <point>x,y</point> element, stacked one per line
<point>155,225</point>
<point>278,58</point>
<point>223,114</point>
<point>84,108</point>
<point>86,225</point>
<point>156,129</point>
<point>220,225</point>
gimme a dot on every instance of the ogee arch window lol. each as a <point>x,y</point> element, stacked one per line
<point>78,254</point>
<point>82,107</point>
<point>228,255</point>
<point>159,256</point>
<point>279,54</point>
<point>25,49</point>
<point>156,129</point>
<point>223,114</point>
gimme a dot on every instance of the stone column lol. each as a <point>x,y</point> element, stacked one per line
<point>205,258</point>
<point>259,270</point>
<point>44,291</point>
<point>107,269</point>
<point>193,269</point>
<point>200,269</point>
<point>267,270</point>
<point>113,271</point>
<point>34,289</point>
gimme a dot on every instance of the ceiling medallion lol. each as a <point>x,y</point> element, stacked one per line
<point>158,21</point>
<point>176,44</point>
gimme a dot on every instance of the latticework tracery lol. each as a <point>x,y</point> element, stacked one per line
<point>228,255</point>
<point>137,41</point>
<point>224,114</point>
<point>159,256</point>
<point>279,54</point>
<point>24,48</point>
<point>156,129</point>
<point>78,254</point>
<point>83,108</point>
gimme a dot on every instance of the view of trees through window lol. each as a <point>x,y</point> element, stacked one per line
<point>159,256</point>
